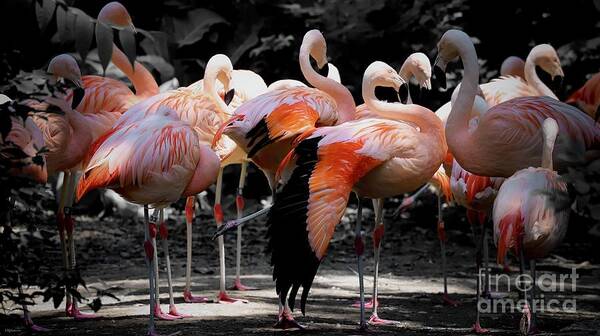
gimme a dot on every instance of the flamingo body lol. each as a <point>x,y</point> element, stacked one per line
<point>587,98</point>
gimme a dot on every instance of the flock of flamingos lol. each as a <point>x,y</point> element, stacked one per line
<point>495,148</point>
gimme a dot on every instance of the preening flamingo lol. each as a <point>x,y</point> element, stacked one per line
<point>507,138</point>
<point>204,111</point>
<point>153,162</point>
<point>587,98</point>
<point>513,66</point>
<point>376,158</point>
<point>528,220</point>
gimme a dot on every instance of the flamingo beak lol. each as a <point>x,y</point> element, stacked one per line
<point>221,129</point>
<point>78,95</point>
<point>229,96</point>
<point>439,72</point>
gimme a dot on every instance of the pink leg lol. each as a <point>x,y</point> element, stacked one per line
<point>189,219</point>
<point>441,231</point>
<point>285,320</point>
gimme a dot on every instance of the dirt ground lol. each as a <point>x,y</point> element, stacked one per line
<point>110,254</point>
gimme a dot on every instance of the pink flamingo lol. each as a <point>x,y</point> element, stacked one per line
<point>247,85</point>
<point>153,162</point>
<point>587,98</point>
<point>284,84</point>
<point>204,111</point>
<point>377,158</point>
<point>527,218</point>
<point>505,139</point>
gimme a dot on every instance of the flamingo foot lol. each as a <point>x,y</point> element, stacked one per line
<point>527,325</point>
<point>74,312</point>
<point>376,320</point>
<point>368,304</point>
<point>189,298</point>
<point>173,312</point>
<point>478,329</point>
<point>154,333</point>
<point>223,297</point>
<point>158,313</point>
<point>448,301</point>
<point>286,321</point>
<point>238,286</point>
<point>33,327</point>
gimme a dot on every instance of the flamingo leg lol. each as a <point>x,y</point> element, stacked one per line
<point>533,327</point>
<point>477,325</point>
<point>222,297</point>
<point>285,319</point>
<point>149,249</point>
<point>189,219</point>
<point>442,238</point>
<point>32,327</point>
<point>526,319</point>
<point>154,227</point>
<point>239,202</point>
<point>164,236</point>
<point>60,219</point>
<point>359,247</point>
<point>378,233</point>
<point>73,309</point>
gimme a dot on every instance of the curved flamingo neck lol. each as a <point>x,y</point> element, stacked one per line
<point>532,78</point>
<point>457,126</point>
<point>407,72</point>
<point>341,95</point>
<point>144,83</point>
<point>427,121</point>
<point>210,85</point>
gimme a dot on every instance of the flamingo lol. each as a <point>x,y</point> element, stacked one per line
<point>506,137</point>
<point>377,158</point>
<point>247,85</point>
<point>527,218</point>
<point>513,66</point>
<point>416,65</point>
<point>587,98</point>
<point>264,127</point>
<point>152,162</point>
<point>26,136</point>
<point>204,111</point>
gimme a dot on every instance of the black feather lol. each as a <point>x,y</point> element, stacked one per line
<point>294,262</point>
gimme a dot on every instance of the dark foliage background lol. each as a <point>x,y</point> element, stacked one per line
<point>176,37</point>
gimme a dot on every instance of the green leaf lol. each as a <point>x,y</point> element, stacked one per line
<point>165,69</point>
<point>104,40</point>
<point>65,23</point>
<point>196,23</point>
<point>127,39</point>
<point>84,28</point>
<point>44,10</point>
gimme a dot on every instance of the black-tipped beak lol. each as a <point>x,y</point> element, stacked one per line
<point>324,71</point>
<point>403,93</point>
<point>221,230</point>
<point>78,94</point>
<point>440,76</point>
<point>229,96</point>
<point>557,83</point>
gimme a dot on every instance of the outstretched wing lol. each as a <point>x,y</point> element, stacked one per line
<point>307,209</point>
<point>283,114</point>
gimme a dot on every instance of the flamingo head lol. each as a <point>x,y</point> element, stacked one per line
<point>447,52</point>
<point>115,15</point>
<point>221,64</point>
<point>420,67</point>
<point>315,42</point>
<point>65,66</point>
<point>381,74</point>
<point>546,57</point>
